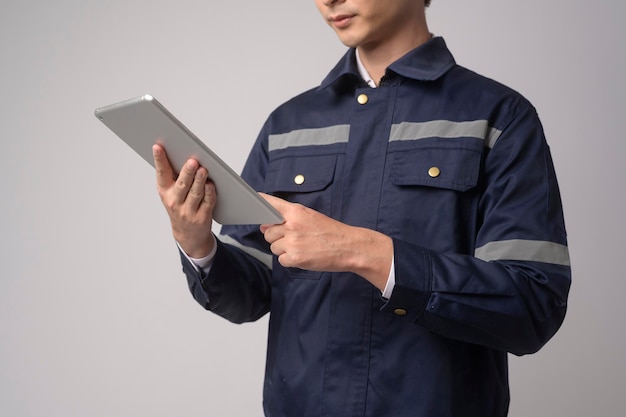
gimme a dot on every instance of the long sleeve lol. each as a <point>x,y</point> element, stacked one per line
<point>237,286</point>
<point>511,293</point>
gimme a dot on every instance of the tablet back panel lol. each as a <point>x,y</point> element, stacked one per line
<point>143,121</point>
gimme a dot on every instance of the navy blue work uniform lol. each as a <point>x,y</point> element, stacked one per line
<point>454,167</point>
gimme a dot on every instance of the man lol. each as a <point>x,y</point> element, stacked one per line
<point>423,235</point>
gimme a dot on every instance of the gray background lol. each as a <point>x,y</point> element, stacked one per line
<point>95,316</point>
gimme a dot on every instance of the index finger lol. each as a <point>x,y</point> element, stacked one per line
<point>164,171</point>
<point>278,203</point>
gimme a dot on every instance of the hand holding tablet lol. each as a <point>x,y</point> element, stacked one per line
<point>142,122</point>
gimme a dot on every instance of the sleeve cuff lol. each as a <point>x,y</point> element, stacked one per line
<point>201,264</point>
<point>412,278</point>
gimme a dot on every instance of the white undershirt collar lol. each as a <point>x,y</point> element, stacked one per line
<point>363,72</point>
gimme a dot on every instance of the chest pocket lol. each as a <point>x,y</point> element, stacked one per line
<point>438,165</point>
<point>304,179</point>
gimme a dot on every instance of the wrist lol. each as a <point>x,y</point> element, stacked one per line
<point>373,258</point>
<point>198,249</point>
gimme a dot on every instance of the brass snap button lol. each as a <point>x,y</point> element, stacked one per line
<point>434,172</point>
<point>362,99</point>
<point>299,179</point>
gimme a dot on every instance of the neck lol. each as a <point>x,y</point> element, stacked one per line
<point>376,58</point>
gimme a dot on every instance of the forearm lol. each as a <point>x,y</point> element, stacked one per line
<point>368,254</point>
<point>236,288</point>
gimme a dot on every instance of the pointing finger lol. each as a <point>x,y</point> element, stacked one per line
<point>278,203</point>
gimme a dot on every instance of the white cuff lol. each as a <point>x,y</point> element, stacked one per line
<point>391,281</point>
<point>204,263</point>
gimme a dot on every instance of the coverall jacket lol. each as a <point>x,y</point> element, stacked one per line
<point>454,167</point>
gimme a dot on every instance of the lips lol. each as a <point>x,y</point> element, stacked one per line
<point>341,21</point>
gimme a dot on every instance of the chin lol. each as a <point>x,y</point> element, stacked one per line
<point>349,41</point>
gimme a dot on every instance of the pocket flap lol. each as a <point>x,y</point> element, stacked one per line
<point>300,174</point>
<point>455,169</point>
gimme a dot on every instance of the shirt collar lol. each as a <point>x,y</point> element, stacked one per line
<point>427,62</point>
<point>363,71</point>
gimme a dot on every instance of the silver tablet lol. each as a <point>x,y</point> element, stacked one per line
<point>143,121</point>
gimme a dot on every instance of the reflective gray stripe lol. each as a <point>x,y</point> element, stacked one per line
<point>255,253</point>
<point>479,129</point>
<point>524,250</point>
<point>306,137</point>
